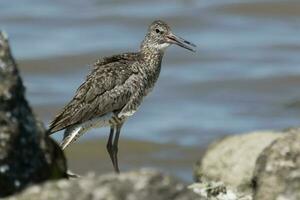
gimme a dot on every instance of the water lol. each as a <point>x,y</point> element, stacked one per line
<point>242,78</point>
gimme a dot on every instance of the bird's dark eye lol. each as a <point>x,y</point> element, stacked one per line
<point>159,31</point>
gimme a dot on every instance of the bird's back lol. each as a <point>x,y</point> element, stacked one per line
<point>107,89</point>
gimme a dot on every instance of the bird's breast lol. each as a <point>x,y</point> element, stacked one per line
<point>149,78</point>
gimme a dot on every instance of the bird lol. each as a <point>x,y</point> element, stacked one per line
<point>115,88</point>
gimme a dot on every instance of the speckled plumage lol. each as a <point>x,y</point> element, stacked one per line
<point>106,89</point>
<point>115,87</point>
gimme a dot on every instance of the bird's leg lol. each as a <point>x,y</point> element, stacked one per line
<point>115,148</point>
<point>109,145</point>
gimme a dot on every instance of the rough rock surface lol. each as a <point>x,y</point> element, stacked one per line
<point>232,159</point>
<point>277,173</point>
<point>145,184</point>
<point>27,155</point>
<point>218,191</point>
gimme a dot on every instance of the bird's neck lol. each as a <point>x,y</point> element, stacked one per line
<point>150,51</point>
<point>151,55</point>
<point>153,58</point>
<point>150,69</point>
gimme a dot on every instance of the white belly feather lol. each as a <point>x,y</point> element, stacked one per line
<point>98,121</point>
<point>72,133</point>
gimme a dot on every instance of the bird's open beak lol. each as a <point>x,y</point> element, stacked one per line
<point>173,39</point>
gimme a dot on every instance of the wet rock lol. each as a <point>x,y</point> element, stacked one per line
<point>277,172</point>
<point>232,159</point>
<point>27,155</point>
<point>144,184</point>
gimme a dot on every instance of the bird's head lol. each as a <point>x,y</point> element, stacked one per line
<point>160,36</point>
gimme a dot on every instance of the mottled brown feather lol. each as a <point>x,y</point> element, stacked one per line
<point>107,88</point>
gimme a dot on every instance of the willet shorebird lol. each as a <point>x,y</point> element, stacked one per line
<point>115,88</point>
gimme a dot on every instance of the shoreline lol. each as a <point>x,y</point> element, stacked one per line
<point>90,155</point>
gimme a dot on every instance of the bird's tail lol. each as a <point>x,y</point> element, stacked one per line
<point>71,135</point>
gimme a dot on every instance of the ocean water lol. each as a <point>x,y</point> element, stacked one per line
<point>244,76</point>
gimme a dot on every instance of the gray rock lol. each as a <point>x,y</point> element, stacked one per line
<point>277,172</point>
<point>232,159</point>
<point>27,155</point>
<point>218,191</point>
<point>137,185</point>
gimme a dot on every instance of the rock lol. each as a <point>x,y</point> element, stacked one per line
<point>232,159</point>
<point>144,184</point>
<point>27,155</point>
<point>277,172</point>
<point>218,191</point>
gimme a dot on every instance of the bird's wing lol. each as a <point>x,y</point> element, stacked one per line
<point>132,105</point>
<point>107,89</point>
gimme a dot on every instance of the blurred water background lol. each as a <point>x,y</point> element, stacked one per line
<point>245,75</point>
